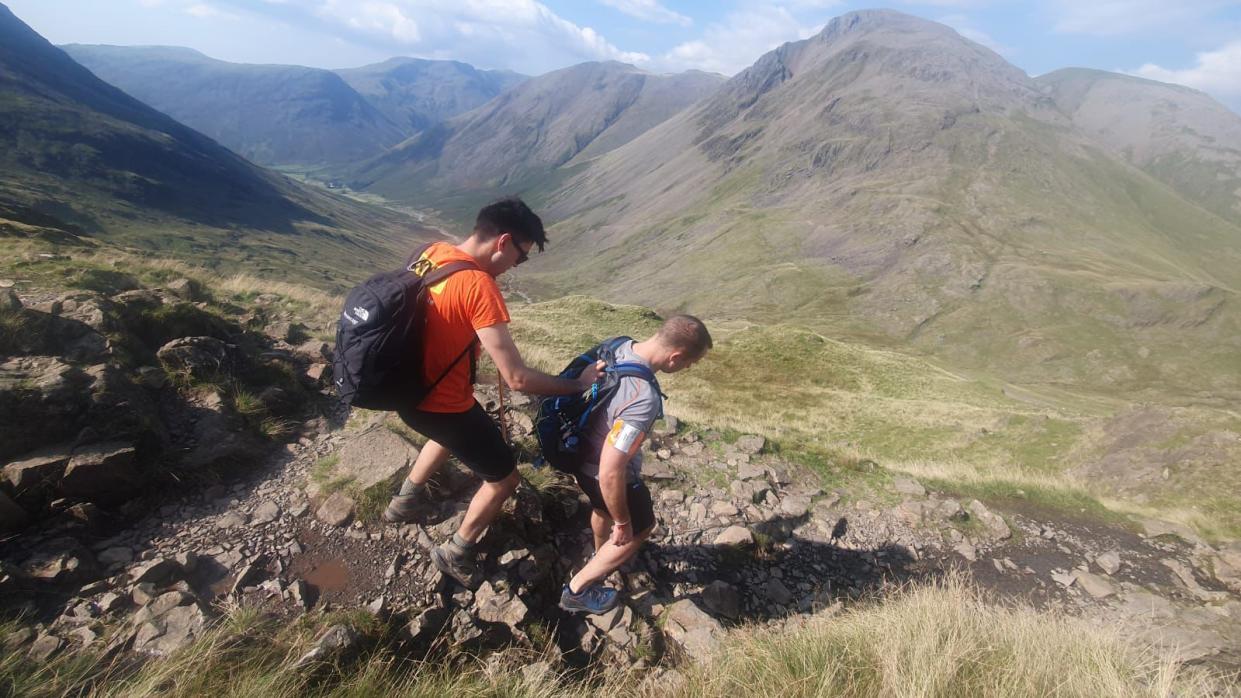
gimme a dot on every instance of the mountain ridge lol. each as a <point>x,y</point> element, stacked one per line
<point>271,114</point>
<point>82,157</point>
<point>890,178</point>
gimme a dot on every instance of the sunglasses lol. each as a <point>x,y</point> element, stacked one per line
<point>522,255</point>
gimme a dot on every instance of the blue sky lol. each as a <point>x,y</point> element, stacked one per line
<point>1191,42</point>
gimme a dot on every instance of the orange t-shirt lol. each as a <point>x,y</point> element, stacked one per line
<point>457,307</point>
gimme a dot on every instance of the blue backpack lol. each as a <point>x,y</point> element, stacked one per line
<point>561,423</point>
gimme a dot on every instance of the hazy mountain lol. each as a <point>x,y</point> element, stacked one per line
<point>415,94</point>
<point>1178,135</point>
<point>80,156</point>
<point>889,178</point>
<point>553,120</point>
<point>271,114</point>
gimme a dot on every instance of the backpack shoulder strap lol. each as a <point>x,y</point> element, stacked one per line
<point>438,274</point>
<point>434,276</point>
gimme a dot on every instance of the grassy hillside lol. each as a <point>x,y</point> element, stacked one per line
<point>845,407</point>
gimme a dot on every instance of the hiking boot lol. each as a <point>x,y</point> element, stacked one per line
<point>405,508</point>
<point>593,599</point>
<point>450,559</point>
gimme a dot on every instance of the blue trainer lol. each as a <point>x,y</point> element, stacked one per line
<point>593,599</point>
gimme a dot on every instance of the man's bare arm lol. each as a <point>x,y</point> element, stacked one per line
<point>498,344</point>
<point>613,479</point>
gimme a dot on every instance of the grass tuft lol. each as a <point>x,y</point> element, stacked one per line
<point>941,640</point>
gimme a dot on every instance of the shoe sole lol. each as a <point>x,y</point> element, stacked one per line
<point>578,608</point>
<point>437,559</point>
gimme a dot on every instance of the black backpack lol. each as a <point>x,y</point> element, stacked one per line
<point>380,337</point>
<point>561,423</point>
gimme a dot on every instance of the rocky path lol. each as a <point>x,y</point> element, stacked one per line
<point>744,536</point>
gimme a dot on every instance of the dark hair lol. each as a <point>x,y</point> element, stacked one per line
<point>510,215</point>
<point>686,333</point>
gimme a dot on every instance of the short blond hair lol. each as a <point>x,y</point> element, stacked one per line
<point>685,333</point>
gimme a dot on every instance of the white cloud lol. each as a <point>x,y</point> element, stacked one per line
<point>204,11</point>
<point>523,35</point>
<point>1216,72</point>
<point>649,11</point>
<point>1118,17</point>
<point>965,27</point>
<point>733,44</point>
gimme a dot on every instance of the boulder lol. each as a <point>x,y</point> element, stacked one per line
<point>200,357</point>
<point>187,290</point>
<point>336,510</point>
<point>795,506</point>
<point>102,472</point>
<point>1226,566</point>
<point>219,437</point>
<point>722,599</point>
<point>1093,584</point>
<point>119,408</point>
<point>139,299</point>
<point>336,644</point>
<point>158,571</point>
<point>499,607</point>
<point>423,629</point>
<point>162,605</point>
<point>44,647</point>
<point>750,471</point>
<point>42,401</point>
<point>1153,528</point>
<point>37,470</point>
<point>172,631</point>
<point>777,592</point>
<point>374,456</point>
<point>994,527</point>
<point>697,633</point>
<point>908,487</point>
<point>750,443</point>
<point>1109,562</point>
<point>62,561</point>
<point>739,536</point>
<point>265,513</point>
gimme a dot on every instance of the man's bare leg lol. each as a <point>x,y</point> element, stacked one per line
<point>404,506</point>
<point>485,506</point>
<point>456,557</point>
<point>607,558</point>
<point>601,527</point>
<point>430,459</point>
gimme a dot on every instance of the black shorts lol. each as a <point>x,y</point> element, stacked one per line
<point>641,509</point>
<point>471,436</point>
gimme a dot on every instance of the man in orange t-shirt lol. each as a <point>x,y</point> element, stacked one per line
<point>465,308</point>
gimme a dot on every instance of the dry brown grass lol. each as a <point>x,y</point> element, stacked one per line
<point>942,640</point>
